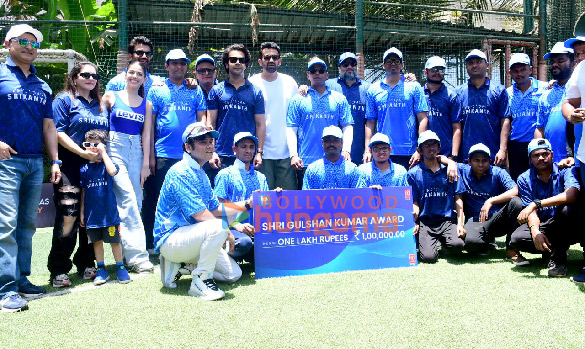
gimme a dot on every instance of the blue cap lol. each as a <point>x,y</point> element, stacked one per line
<point>316,60</point>
<point>204,58</point>
<point>559,47</point>
<point>475,53</point>
<point>479,148</point>
<point>435,61</point>
<point>428,135</point>
<point>345,56</point>
<point>177,54</point>
<point>243,135</point>
<point>569,43</point>
<point>390,51</point>
<point>197,129</point>
<point>538,143</point>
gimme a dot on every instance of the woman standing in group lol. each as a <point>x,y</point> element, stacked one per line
<point>130,125</point>
<point>76,110</point>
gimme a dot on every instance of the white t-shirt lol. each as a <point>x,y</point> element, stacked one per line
<point>576,89</point>
<point>277,95</point>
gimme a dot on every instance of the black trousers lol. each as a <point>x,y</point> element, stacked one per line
<point>212,172</point>
<point>518,158</point>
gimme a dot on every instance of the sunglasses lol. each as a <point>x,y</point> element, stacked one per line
<point>205,71</point>
<point>197,129</point>
<point>90,145</point>
<point>318,71</point>
<point>350,63</point>
<point>89,75</point>
<point>438,70</point>
<point>380,149</point>
<point>267,58</point>
<point>24,43</point>
<point>392,62</point>
<point>234,60</point>
<point>141,53</point>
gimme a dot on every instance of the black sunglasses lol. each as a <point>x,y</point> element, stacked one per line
<point>141,53</point>
<point>205,71</point>
<point>350,63</point>
<point>438,70</point>
<point>89,75</point>
<point>234,60</point>
<point>319,71</point>
<point>273,57</point>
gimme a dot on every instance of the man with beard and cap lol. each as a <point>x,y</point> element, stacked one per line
<point>485,110</point>
<point>307,115</point>
<point>354,89</point>
<point>278,89</point>
<point>523,98</point>
<point>550,123</point>
<point>444,110</point>
<point>332,170</point>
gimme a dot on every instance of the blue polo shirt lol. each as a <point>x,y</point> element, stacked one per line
<point>550,118</point>
<point>493,183</point>
<point>118,82</point>
<point>482,110</point>
<point>185,192</point>
<point>75,116</point>
<point>395,110</point>
<point>356,97</point>
<point>311,114</point>
<point>395,176</point>
<point>530,187</point>
<point>235,112</point>
<point>100,206</point>
<point>444,111</point>
<point>433,192</point>
<point>523,107</point>
<point>25,102</point>
<point>175,108</point>
<point>324,174</point>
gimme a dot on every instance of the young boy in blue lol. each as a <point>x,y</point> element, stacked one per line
<point>99,211</point>
<point>434,199</point>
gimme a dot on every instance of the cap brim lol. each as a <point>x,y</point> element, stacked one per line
<point>569,43</point>
<point>317,63</point>
<point>247,137</point>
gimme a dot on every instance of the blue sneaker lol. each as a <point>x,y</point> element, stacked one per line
<point>580,278</point>
<point>12,302</point>
<point>101,277</point>
<point>27,289</point>
<point>123,276</point>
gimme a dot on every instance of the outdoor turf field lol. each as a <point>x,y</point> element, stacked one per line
<point>458,302</point>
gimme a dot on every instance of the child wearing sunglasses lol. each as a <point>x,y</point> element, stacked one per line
<point>99,211</point>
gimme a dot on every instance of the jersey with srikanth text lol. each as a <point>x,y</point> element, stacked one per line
<point>395,176</point>
<point>550,118</point>
<point>24,103</point>
<point>74,116</point>
<point>524,107</point>
<point>444,111</point>
<point>100,206</point>
<point>175,108</point>
<point>311,114</point>
<point>126,119</point>
<point>395,110</point>
<point>324,174</point>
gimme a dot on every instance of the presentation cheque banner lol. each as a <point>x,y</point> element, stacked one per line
<point>323,231</point>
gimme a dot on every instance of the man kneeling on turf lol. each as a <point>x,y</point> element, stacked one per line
<point>434,198</point>
<point>186,229</point>
<point>548,220</point>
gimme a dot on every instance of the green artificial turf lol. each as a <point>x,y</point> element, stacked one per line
<point>458,302</point>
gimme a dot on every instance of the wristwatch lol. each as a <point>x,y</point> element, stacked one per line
<point>260,151</point>
<point>56,162</point>
<point>537,203</point>
<point>248,207</point>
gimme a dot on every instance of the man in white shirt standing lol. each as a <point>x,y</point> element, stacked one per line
<point>277,89</point>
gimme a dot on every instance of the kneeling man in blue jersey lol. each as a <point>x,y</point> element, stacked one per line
<point>491,203</point>
<point>332,171</point>
<point>548,220</point>
<point>237,183</point>
<point>434,198</point>
<point>186,229</point>
<point>382,171</point>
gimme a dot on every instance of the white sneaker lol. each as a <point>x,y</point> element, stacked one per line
<point>205,289</point>
<point>61,280</point>
<point>168,272</point>
<point>143,268</point>
<point>89,273</point>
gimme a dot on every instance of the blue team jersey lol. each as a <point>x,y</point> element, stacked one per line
<point>530,187</point>
<point>550,118</point>
<point>523,107</point>
<point>372,175</point>
<point>75,116</point>
<point>395,110</point>
<point>235,112</point>
<point>482,111</point>
<point>324,174</point>
<point>175,108</point>
<point>356,97</point>
<point>118,82</point>
<point>25,102</point>
<point>126,119</point>
<point>444,111</point>
<point>434,194</point>
<point>185,192</point>
<point>493,183</point>
<point>311,114</point>
<point>100,206</point>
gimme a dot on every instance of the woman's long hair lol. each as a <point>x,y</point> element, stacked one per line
<point>71,88</point>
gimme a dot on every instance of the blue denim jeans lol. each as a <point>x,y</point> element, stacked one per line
<point>20,192</point>
<point>126,151</point>
<point>244,248</point>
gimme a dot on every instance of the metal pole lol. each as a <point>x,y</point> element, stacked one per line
<point>122,58</point>
<point>359,37</point>
<point>528,21</point>
<point>543,39</point>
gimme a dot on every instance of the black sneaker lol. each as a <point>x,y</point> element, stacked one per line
<point>580,278</point>
<point>27,289</point>
<point>557,269</point>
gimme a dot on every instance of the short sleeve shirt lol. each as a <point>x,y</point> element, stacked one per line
<point>524,107</point>
<point>324,174</point>
<point>75,116</point>
<point>100,206</point>
<point>444,111</point>
<point>550,118</point>
<point>395,176</point>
